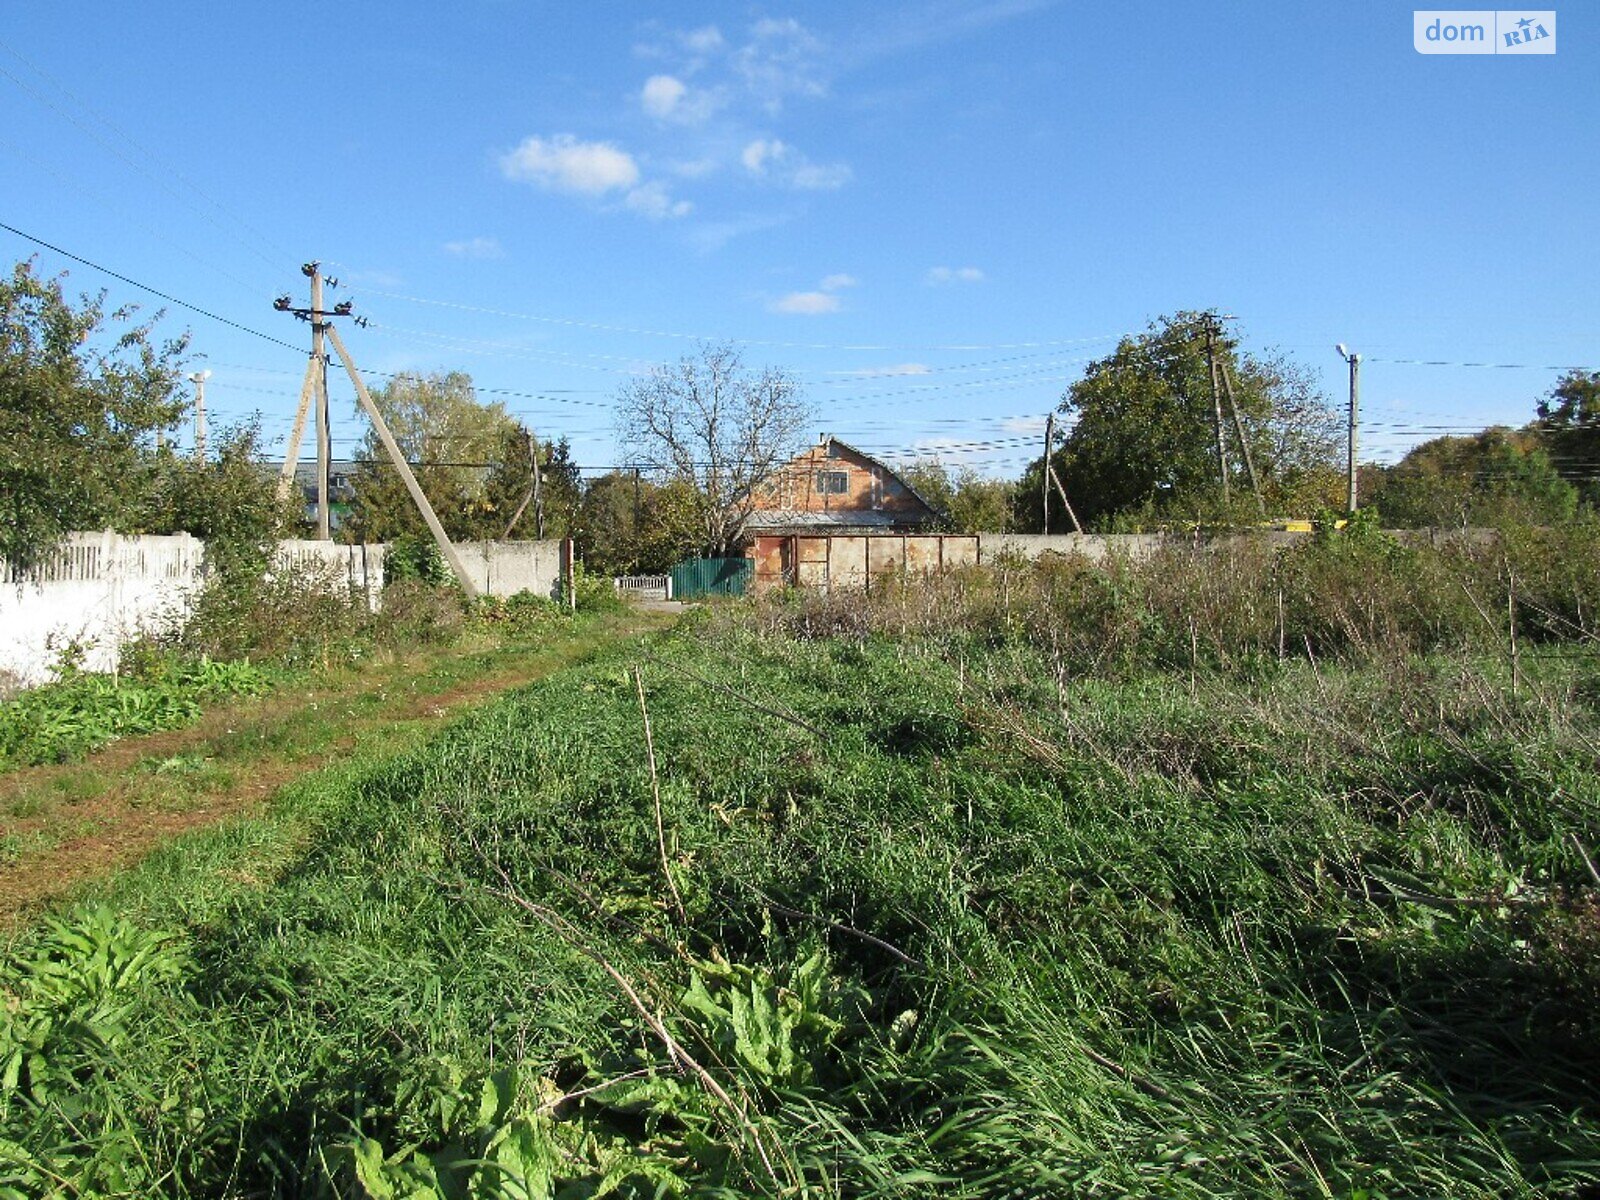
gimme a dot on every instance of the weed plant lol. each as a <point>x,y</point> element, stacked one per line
<point>82,711</point>
<point>894,907</point>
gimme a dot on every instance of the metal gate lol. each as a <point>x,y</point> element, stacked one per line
<point>696,577</point>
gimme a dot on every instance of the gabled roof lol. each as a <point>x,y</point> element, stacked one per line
<point>878,462</point>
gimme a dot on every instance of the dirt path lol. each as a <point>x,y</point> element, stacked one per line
<point>62,826</point>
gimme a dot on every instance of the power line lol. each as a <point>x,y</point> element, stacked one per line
<point>700,337</point>
<point>1493,366</point>
<point>122,139</point>
<point>194,308</point>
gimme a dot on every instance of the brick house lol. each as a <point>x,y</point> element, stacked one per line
<point>829,490</point>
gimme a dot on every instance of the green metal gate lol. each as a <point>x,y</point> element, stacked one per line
<point>696,577</point>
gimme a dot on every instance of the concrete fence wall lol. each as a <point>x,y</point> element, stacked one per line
<point>506,568</point>
<point>99,590</point>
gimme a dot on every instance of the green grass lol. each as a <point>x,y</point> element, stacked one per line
<point>81,712</point>
<point>955,921</point>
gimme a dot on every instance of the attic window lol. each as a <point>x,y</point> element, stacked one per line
<point>833,483</point>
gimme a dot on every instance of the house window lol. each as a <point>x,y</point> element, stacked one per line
<point>833,483</point>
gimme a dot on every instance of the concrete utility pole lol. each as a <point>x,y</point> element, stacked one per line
<point>446,547</point>
<point>1355,418</point>
<point>1044,475</point>
<point>319,362</point>
<point>1216,403</point>
<point>1238,429</point>
<point>199,380</point>
<point>323,326</point>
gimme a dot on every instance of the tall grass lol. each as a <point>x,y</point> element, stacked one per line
<point>965,912</point>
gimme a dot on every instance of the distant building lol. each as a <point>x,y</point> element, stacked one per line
<point>341,487</point>
<point>835,488</point>
<point>832,495</point>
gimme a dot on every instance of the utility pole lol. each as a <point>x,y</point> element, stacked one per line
<point>531,495</point>
<point>1216,403</point>
<point>199,378</point>
<point>319,363</point>
<point>1238,429</point>
<point>1355,418</point>
<point>323,326</point>
<point>1044,475</point>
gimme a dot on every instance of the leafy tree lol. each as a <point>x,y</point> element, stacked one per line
<point>82,394</point>
<point>453,441</point>
<point>228,500</point>
<point>716,428</point>
<point>632,525</point>
<point>1493,477</point>
<point>1142,439</point>
<point>1569,427</point>
<point>966,501</point>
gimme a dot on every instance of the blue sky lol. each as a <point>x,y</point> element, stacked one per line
<point>933,214</point>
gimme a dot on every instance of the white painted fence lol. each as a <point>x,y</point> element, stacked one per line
<point>98,590</point>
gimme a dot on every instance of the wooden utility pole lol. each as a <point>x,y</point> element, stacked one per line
<point>1044,475</point>
<point>446,547</point>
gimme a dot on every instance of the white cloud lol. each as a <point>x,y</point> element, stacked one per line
<point>942,275</point>
<point>814,177</point>
<point>832,283</point>
<point>668,98</point>
<point>706,40</point>
<point>662,94</point>
<point>806,303</point>
<point>760,152</point>
<point>780,162</point>
<point>1024,424</point>
<point>693,168</point>
<point>782,59</point>
<point>654,201</point>
<point>478,247</point>
<point>896,370</point>
<point>564,164</point>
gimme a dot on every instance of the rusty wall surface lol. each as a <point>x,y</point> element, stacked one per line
<point>856,560</point>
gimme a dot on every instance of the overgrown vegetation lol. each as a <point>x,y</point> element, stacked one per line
<point>909,894</point>
<point>82,711</point>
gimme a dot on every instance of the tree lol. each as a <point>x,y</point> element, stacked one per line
<point>709,424</point>
<point>630,525</point>
<point>966,501</point>
<point>228,501</point>
<point>82,394</point>
<point>1569,428</point>
<point>1143,437</point>
<point>1491,478</point>
<point>454,443</point>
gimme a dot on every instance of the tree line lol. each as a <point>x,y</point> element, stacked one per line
<point>90,398</point>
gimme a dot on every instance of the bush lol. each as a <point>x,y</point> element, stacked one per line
<point>414,558</point>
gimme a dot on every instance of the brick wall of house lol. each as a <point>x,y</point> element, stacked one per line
<point>832,477</point>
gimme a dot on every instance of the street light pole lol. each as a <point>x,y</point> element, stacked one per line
<point>1355,418</point>
<point>199,380</point>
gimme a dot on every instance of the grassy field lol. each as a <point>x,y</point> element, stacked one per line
<point>863,913</point>
<point>222,755</point>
